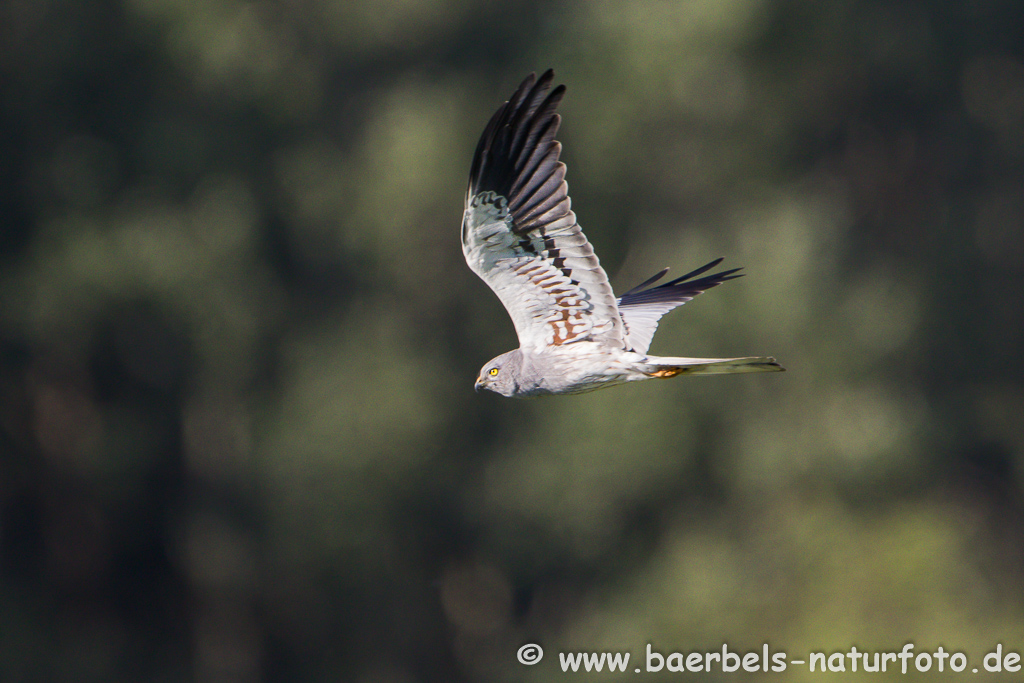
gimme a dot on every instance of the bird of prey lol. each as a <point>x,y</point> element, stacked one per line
<point>520,236</point>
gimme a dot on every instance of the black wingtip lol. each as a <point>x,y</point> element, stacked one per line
<point>681,289</point>
<point>646,283</point>
<point>703,269</point>
<point>517,156</point>
<point>548,76</point>
<point>710,280</point>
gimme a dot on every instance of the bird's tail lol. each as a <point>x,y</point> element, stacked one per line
<point>666,366</point>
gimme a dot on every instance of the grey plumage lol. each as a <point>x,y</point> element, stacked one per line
<point>520,236</point>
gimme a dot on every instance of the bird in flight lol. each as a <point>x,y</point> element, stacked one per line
<point>521,237</point>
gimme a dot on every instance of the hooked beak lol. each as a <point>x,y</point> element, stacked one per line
<point>478,385</point>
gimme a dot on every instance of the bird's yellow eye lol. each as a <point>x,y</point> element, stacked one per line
<point>493,372</point>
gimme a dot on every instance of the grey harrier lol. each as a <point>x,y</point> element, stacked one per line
<point>520,236</point>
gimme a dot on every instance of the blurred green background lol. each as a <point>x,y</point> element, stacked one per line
<point>238,434</point>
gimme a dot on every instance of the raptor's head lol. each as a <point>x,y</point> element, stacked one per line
<point>501,375</point>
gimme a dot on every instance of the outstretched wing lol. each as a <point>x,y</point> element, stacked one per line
<point>520,236</point>
<point>641,309</point>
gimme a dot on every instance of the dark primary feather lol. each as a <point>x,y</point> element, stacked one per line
<point>517,156</point>
<point>677,291</point>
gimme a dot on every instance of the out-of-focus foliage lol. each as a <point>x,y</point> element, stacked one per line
<point>238,437</point>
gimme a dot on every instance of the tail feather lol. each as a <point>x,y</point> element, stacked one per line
<point>666,366</point>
